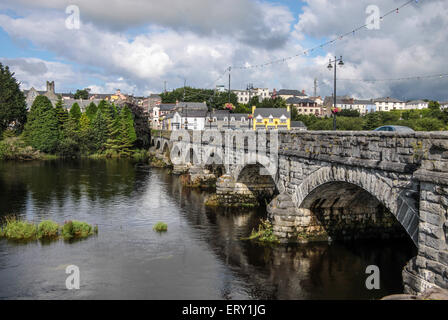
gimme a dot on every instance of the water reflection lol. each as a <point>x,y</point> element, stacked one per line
<point>201,257</point>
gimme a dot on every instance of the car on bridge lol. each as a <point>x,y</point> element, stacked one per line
<point>401,129</point>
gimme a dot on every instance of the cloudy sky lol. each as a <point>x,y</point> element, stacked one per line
<point>136,45</point>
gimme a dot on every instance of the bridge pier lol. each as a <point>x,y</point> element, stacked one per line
<point>230,193</point>
<point>198,177</point>
<point>430,268</point>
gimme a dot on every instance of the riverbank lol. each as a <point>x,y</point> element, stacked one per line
<point>15,149</point>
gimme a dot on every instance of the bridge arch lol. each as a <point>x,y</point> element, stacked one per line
<point>165,148</point>
<point>256,178</point>
<point>340,190</point>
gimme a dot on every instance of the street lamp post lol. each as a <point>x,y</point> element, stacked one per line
<point>330,66</point>
<point>210,120</point>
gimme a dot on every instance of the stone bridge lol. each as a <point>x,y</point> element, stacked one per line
<point>329,185</point>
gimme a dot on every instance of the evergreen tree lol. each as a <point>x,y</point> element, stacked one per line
<point>86,143</point>
<point>12,101</point>
<point>126,134</point>
<point>61,114</point>
<point>91,110</point>
<point>99,131</point>
<point>41,130</point>
<point>128,118</point>
<point>75,112</point>
<point>113,129</point>
<point>102,106</point>
<point>141,126</point>
<point>372,121</point>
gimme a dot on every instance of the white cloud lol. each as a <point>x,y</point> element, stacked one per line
<point>197,41</point>
<point>33,72</point>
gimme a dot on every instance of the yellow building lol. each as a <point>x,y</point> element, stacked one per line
<point>271,118</point>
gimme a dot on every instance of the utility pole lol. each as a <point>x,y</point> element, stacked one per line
<point>230,69</point>
<point>185,82</point>
<point>315,87</point>
<point>164,82</point>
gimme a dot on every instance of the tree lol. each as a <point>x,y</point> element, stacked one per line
<point>86,143</point>
<point>429,124</point>
<point>411,114</point>
<point>42,129</point>
<point>272,103</point>
<point>75,112</point>
<point>91,110</point>
<point>349,113</point>
<point>242,108</point>
<point>141,127</point>
<point>389,118</point>
<point>102,106</point>
<point>113,129</point>
<point>126,135</point>
<point>99,132</point>
<point>81,94</point>
<point>372,121</point>
<point>12,102</point>
<point>61,114</point>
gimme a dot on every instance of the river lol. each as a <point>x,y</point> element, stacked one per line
<point>202,256</point>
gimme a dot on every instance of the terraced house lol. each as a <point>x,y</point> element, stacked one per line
<point>271,118</point>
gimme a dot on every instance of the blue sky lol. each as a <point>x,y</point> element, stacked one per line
<point>137,45</point>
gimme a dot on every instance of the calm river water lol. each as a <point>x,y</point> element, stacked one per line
<point>201,256</point>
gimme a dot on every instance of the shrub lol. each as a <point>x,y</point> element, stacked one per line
<point>76,230</point>
<point>265,233</point>
<point>48,229</point>
<point>160,227</point>
<point>15,149</point>
<point>16,229</point>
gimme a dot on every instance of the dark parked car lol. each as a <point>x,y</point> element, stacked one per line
<point>401,129</point>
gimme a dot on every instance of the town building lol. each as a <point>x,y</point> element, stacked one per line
<point>244,96</point>
<point>298,125</point>
<point>287,93</point>
<point>349,103</point>
<point>389,104</point>
<point>417,104</point>
<point>271,118</point>
<point>306,106</point>
<point>192,120</point>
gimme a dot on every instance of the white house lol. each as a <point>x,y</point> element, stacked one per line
<point>417,104</point>
<point>191,120</point>
<point>245,95</point>
<point>389,104</point>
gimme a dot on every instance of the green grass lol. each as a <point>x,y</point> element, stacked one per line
<point>48,230</point>
<point>160,227</point>
<point>76,230</point>
<point>15,229</point>
<point>265,233</point>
